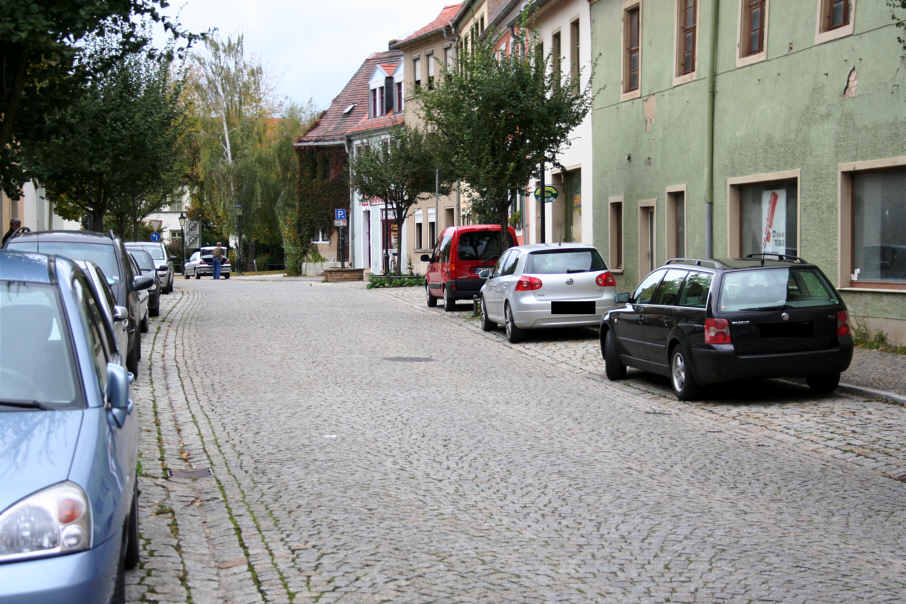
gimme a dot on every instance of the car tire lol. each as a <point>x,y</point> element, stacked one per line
<point>613,366</point>
<point>143,326</point>
<point>486,323</point>
<point>449,300</point>
<point>132,545</point>
<point>824,383</point>
<point>132,358</point>
<point>155,310</point>
<point>186,274</point>
<point>226,276</point>
<point>681,378</point>
<point>197,276</point>
<point>429,299</point>
<point>119,589</point>
<point>513,333</point>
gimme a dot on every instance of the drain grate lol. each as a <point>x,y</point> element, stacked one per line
<point>200,473</point>
<point>410,359</point>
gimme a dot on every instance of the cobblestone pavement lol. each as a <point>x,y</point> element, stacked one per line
<point>365,448</point>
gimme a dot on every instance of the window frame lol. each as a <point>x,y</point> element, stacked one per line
<point>679,44</point>
<point>744,56</point>
<point>845,218</point>
<point>630,7</point>
<point>824,34</point>
<point>616,240</point>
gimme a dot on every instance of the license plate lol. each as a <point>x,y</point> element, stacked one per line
<point>562,307</point>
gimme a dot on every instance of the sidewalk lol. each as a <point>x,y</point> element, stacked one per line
<point>876,373</point>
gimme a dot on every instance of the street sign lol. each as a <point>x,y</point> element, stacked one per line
<point>193,235</point>
<point>340,223</point>
<point>339,214</point>
<point>155,236</point>
<point>550,193</point>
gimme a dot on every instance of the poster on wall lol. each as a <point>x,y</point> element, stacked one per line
<point>773,221</point>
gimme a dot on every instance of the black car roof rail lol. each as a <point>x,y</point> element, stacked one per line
<point>697,262</point>
<point>780,257</point>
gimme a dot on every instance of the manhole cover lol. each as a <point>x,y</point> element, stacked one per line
<point>409,359</point>
<point>200,473</point>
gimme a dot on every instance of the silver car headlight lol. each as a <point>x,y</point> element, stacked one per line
<point>54,521</point>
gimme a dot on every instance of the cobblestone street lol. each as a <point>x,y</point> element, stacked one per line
<point>305,441</point>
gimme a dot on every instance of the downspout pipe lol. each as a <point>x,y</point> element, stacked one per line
<point>351,217</point>
<point>709,142</point>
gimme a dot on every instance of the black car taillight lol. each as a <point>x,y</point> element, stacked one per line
<point>842,323</point>
<point>717,331</point>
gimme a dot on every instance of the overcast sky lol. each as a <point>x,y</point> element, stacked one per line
<point>310,48</point>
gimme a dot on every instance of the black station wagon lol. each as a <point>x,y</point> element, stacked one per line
<point>701,322</point>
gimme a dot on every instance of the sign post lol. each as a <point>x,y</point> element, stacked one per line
<point>341,221</point>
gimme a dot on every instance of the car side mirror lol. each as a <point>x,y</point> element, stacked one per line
<point>120,313</point>
<point>484,273</point>
<point>622,298</point>
<point>142,282</point>
<point>118,393</point>
<point>425,258</point>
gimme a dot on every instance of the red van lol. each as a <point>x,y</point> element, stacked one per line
<point>458,256</point>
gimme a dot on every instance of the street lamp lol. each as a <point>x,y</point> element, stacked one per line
<point>182,226</point>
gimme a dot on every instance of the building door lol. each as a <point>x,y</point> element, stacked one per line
<point>390,240</point>
<point>572,206</point>
<point>366,223</point>
<point>646,239</point>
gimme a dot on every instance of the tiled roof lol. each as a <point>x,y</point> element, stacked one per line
<point>333,124</point>
<point>443,19</point>
<point>385,121</point>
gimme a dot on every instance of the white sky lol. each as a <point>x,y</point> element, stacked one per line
<point>309,48</point>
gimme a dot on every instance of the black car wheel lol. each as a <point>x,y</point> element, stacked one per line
<point>185,273</point>
<point>486,323</point>
<point>143,326</point>
<point>429,299</point>
<point>681,377</point>
<point>613,366</point>
<point>133,545</point>
<point>155,310</point>
<point>824,383</point>
<point>197,276</point>
<point>132,357</point>
<point>513,333</point>
<point>226,275</point>
<point>449,300</point>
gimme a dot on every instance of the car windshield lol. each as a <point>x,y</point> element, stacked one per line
<point>100,254</point>
<point>777,287</point>
<point>564,261</point>
<point>36,362</point>
<point>144,260</point>
<point>482,245</point>
<point>155,250</point>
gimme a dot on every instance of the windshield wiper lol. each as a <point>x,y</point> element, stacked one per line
<point>23,404</point>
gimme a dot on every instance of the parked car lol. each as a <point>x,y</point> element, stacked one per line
<point>701,322</point>
<point>459,255</point>
<point>164,262</point>
<point>143,299</point>
<point>148,268</point>
<point>108,252</point>
<point>201,262</point>
<point>116,317</point>
<point>546,285</point>
<point>69,496</point>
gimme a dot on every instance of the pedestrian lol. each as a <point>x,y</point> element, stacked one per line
<point>218,260</point>
<point>14,225</point>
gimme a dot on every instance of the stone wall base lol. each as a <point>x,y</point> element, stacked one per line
<point>332,275</point>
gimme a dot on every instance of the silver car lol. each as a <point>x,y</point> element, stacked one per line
<point>546,285</point>
<point>163,262</point>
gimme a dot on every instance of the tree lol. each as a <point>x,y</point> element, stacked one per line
<point>499,117</point>
<point>115,153</point>
<point>899,18</point>
<point>43,65</point>
<point>399,171</point>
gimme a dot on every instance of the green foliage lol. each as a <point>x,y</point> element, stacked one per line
<point>863,337</point>
<point>45,63</point>
<point>898,14</point>
<point>499,117</point>
<point>399,170</point>
<point>114,157</point>
<point>322,186</point>
<point>395,281</point>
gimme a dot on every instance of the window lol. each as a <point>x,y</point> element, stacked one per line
<point>432,229</point>
<point>416,74</point>
<point>647,238</point>
<point>879,226</point>
<point>374,105</point>
<point>399,97</point>
<point>753,23</point>
<point>764,215</point>
<point>539,53</point>
<point>835,19</point>
<point>555,59</point>
<point>419,232</point>
<point>616,233</point>
<point>430,60</point>
<point>695,291</point>
<point>631,50</point>
<point>448,57</point>
<point>321,236</point>
<point>668,292</point>
<point>647,288</point>
<point>687,18</point>
<point>574,55</point>
<point>381,99</point>
<point>676,223</point>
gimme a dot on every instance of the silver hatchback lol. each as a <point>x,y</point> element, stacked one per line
<point>546,285</point>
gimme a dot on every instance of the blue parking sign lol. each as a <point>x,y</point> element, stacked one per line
<point>339,214</point>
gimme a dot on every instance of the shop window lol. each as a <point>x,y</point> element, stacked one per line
<point>877,204</point>
<point>764,217</point>
<point>631,49</point>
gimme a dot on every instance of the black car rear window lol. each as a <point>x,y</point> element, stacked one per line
<point>482,245</point>
<point>143,259</point>
<point>564,261</point>
<point>777,287</point>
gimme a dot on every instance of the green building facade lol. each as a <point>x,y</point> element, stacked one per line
<point>728,127</point>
